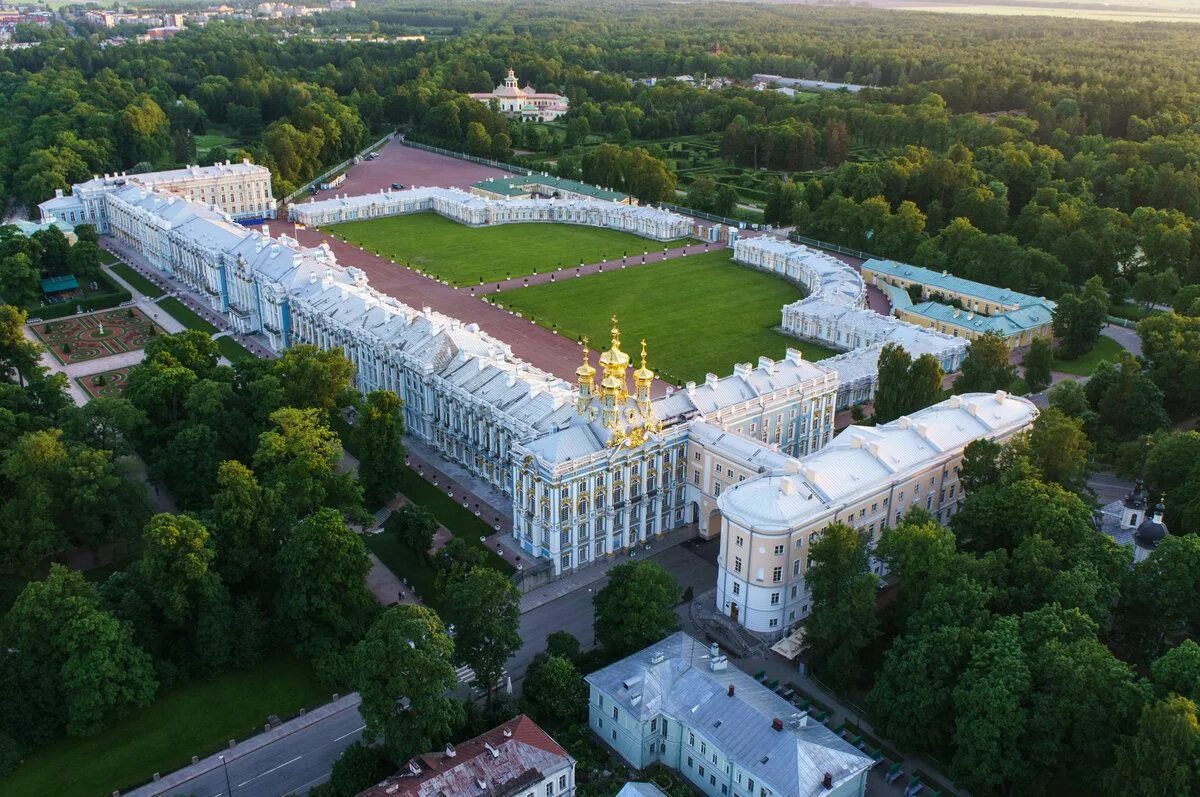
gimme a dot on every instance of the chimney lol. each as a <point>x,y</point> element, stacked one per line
<point>777,724</point>
<point>690,387</point>
<point>731,690</point>
<point>827,781</point>
<point>714,649</point>
<point>450,752</point>
<point>1000,396</point>
<point>266,230</point>
<point>785,486</point>
<point>710,380</point>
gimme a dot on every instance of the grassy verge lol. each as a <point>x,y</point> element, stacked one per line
<point>1105,350</point>
<point>465,255</point>
<point>194,719</point>
<point>184,315</point>
<point>406,563</point>
<point>233,350</point>
<point>718,313</point>
<point>140,283</point>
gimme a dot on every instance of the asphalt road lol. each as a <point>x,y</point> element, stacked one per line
<point>298,761</point>
<point>294,763</point>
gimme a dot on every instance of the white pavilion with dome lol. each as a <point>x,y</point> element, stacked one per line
<point>525,103</point>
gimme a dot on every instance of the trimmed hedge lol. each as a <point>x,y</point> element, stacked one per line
<point>97,301</point>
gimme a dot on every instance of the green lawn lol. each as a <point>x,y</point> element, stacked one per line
<point>463,255</point>
<point>699,314</point>
<point>194,719</point>
<point>1106,349</point>
<point>233,350</point>
<point>406,564</point>
<point>214,138</point>
<point>135,279</point>
<point>184,315</point>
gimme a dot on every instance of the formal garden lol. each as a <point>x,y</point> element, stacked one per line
<point>462,255</point>
<point>699,314</point>
<point>103,334</point>
<point>106,384</point>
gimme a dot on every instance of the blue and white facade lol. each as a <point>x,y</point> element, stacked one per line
<point>681,704</point>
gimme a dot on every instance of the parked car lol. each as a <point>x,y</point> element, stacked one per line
<point>397,187</point>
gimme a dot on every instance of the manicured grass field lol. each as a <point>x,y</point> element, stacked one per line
<point>699,314</point>
<point>1106,349</point>
<point>463,255</point>
<point>194,719</point>
<point>184,315</point>
<point>133,278</point>
<point>406,564</point>
<point>233,350</point>
<point>213,138</point>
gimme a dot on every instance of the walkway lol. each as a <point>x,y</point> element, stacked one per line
<point>647,257</point>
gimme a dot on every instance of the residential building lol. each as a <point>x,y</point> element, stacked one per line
<point>525,103</point>
<point>515,759</point>
<point>868,477</point>
<point>681,704</point>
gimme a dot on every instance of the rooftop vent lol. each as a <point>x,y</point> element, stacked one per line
<point>481,783</point>
<point>495,753</point>
<point>827,781</point>
<point>507,733</point>
<point>657,657</point>
<point>450,752</point>
<point>414,768</point>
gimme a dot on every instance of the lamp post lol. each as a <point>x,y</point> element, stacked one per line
<point>225,767</point>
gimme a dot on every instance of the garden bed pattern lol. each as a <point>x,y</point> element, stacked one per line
<point>89,337</point>
<point>106,384</point>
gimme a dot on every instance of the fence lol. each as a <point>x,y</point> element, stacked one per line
<point>741,225</point>
<point>333,170</point>
<point>841,250</point>
<point>462,156</point>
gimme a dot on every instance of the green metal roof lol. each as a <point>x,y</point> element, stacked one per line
<point>516,186</point>
<point>937,280</point>
<point>59,284</point>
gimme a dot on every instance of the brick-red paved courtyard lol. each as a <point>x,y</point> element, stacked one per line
<point>107,384</point>
<point>88,337</point>
<point>410,167</point>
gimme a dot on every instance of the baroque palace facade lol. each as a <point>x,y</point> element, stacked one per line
<point>592,468</point>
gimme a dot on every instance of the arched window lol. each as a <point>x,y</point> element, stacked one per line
<point>635,489</point>
<point>617,496</point>
<point>600,502</point>
<point>581,507</point>
<point>565,510</point>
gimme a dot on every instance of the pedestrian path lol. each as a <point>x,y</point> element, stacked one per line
<point>568,272</point>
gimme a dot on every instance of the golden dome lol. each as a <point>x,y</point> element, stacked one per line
<point>610,383</point>
<point>643,374</point>
<point>585,371</point>
<point>614,358</point>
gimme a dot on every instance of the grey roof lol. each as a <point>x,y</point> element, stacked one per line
<point>641,790</point>
<point>673,679</point>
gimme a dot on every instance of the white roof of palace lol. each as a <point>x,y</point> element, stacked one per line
<point>862,458</point>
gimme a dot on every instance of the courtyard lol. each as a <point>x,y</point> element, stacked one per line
<point>462,255</point>
<point>699,314</point>
<point>103,334</point>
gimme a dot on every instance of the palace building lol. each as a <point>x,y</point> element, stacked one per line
<point>525,104</point>
<point>242,191</point>
<point>596,467</point>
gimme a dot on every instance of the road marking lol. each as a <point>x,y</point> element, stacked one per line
<point>269,771</point>
<point>344,735</point>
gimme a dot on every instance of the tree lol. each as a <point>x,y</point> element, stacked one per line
<point>322,602</point>
<point>1161,758</point>
<point>990,725</point>
<point>636,608</point>
<point>1178,671</point>
<point>905,385</point>
<point>842,622</point>
<point>1157,599</point>
<point>478,140</point>
<point>312,377</point>
<point>84,261</point>
<point>1036,364</point>
<point>296,463</point>
<point>1127,402</point>
<point>20,282</point>
<point>1059,447</point>
<point>191,348</point>
<point>403,670</point>
<point>563,644</point>
<point>241,524</point>
<point>485,610</point>
<point>1078,322</point>
<point>69,663</point>
<point>358,768</point>
<point>986,368</point>
<point>455,560</point>
<point>980,464</point>
<point>920,554</point>
<point>413,525</point>
<point>1071,399</point>
<point>556,692</point>
<point>379,433</point>
<point>1156,288</point>
<point>18,356</point>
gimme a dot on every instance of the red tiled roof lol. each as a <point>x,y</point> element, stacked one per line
<point>524,755</point>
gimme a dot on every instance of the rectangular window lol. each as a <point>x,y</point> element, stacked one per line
<point>740,541</point>
<point>653,726</point>
<point>615,713</point>
<point>712,780</point>
<point>691,740</point>
<point>774,623</point>
<point>737,564</point>
<point>703,748</point>
<point>562,781</point>
<point>777,575</point>
<point>716,488</point>
<point>737,588</point>
<point>774,598</point>
<point>779,550</point>
<point>701,771</point>
<point>549,789</point>
<point>796,568</point>
<point>690,764</point>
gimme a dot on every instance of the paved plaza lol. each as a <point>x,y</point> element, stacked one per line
<point>396,163</point>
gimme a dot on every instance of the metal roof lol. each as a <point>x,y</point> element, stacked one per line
<point>674,678</point>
